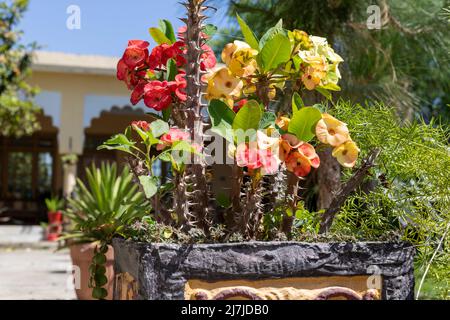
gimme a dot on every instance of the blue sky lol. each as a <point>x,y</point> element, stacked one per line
<point>106,25</point>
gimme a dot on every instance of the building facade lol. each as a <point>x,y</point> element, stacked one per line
<point>83,104</point>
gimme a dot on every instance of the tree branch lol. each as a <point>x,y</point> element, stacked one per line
<point>347,189</point>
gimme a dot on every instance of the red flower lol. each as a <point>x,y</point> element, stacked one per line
<point>178,86</point>
<point>162,53</point>
<point>208,58</point>
<point>144,125</point>
<point>157,95</point>
<point>130,77</point>
<point>239,105</point>
<point>177,52</point>
<point>136,53</point>
<point>138,93</point>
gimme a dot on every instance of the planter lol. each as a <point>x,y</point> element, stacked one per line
<point>54,217</point>
<point>263,270</point>
<point>54,228</point>
<point>81,255</point>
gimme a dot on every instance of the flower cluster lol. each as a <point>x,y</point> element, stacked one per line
<point>320,64</point>
<point>147,73</point>
<point>313,63</point>
<point>228,83</point>
<point>298,156</point>
<point>335,133</point>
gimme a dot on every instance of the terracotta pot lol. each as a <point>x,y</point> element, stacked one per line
<point>54,217</point>
<point>81,255</point>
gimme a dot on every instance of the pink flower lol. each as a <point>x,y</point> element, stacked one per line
<point>157,95</point>
<point>172,136</point>
<point>144,125</point>
<point>182,34</point>
<point>248,155</point>
<point>136,53</point>
<point>208,58</point>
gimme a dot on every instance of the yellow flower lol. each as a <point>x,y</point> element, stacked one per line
<point>222,84</point>
<point>311,79</point>
<point>301,40</point>
<point>347,154</point>
<point>231,48</point>
<point>272,92</point>
<point>283,123</point>
<point>243,62</point>
<point>331,131</point>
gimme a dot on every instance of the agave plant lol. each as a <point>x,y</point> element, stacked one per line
<point>54,204</point>
<point>103,206</point>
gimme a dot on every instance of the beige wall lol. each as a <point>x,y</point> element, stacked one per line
<point>73,89</point>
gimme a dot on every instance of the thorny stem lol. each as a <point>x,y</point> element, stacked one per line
<point>292,198</point>
<point>236,184</point>
<point>251,209</point>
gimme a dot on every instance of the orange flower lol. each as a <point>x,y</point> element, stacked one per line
<point>299,156</point>
<point>288,144</point>
<point>298,164</point>
<point>331,131</point>
<point>347,154</point>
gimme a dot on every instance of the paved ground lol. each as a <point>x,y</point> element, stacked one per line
<point>35,274</point>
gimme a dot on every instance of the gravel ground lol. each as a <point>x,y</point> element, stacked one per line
<point>35,274</point>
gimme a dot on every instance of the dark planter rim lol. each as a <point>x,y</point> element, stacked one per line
<point>258,243</point>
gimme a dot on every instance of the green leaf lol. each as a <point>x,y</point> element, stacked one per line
<point>185,147</point>
<point>276,51</point>
<point>248,34</point>
<point>159,36</point>
<point>158,128</point>
<point>120,139</point>
<point>99,293</point>
<point>150,185</point>
<point>267,120</point>
<point>303,123</point>
<point>100,259</point>
<point>101,280</point>
<point>331,86</point>
<point>277,29</point>
<point>222,118</point>
<point>165,156</point>
<point>324,92</point>
<point>223,200</point>
<point>172,70</point>
<point>210,30</point>
<point>118,142</point>
<point>297,102</point>
<point>166,27</point>
<point>248,117</point>
<point>166,113</point>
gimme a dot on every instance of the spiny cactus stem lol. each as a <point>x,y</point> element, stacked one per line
<point>292,199</point>
<point>193,108</point>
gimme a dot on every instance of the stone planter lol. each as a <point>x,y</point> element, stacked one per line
<point>263,271</point>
